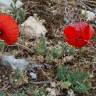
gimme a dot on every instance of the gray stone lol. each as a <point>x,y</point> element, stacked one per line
<point>12,62</point>
<point>33,76</point>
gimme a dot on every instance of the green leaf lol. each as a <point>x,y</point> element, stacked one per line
<point>75,76</point>
<point>68,49</point>
<point>41,49</point>
<point>79,80</point>
<point>82,87</point>
<point>61,73</point>
<point>18,13</point>
<point>56,52</point>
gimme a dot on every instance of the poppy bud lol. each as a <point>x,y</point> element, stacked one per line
<point>78,34</point>
<point>9,30</point>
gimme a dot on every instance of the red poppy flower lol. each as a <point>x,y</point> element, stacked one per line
<point>78,34</point>
<point>9,29</point>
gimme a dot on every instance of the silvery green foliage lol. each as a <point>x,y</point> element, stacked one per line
<point>18,12</point>
<point>41,49</point>
<point>79,81</point>
<point>39,92</point>
<point>2,93</point>
<point>19,94</point>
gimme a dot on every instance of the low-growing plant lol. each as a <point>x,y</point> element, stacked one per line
<point>18,13</point>
<point>41,48</point>
<point>68,49</point>
<point>2,93</point>
<point>18,78</point>
<point>74,79</point>
<point>40,92</point>
<point>54,52</point>
<point>19,94</point>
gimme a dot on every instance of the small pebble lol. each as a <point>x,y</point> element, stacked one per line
<point>33,76</point>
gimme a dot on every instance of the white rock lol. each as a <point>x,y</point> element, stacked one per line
<point>33,27</point>
<point>90,15</point>
<point>51,92</point>
<point>6,4</point>
<point>71,92</point>
<point>12,62</point>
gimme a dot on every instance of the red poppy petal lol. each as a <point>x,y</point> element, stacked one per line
<point>9,29</point>
<point>70,32</point>
<point>78,34</point>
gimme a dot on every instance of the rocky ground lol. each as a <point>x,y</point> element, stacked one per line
<point>39,68</point>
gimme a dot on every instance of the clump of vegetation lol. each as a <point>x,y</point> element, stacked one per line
<point>54,52</point>
<point>18,13</point>
<point>74,79</point>
<point>41,48</point>
<point>18,78</point>
<point>2,93</point>
<point>19,94</point>
<point>40,92</point>
<point>69,50</point>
